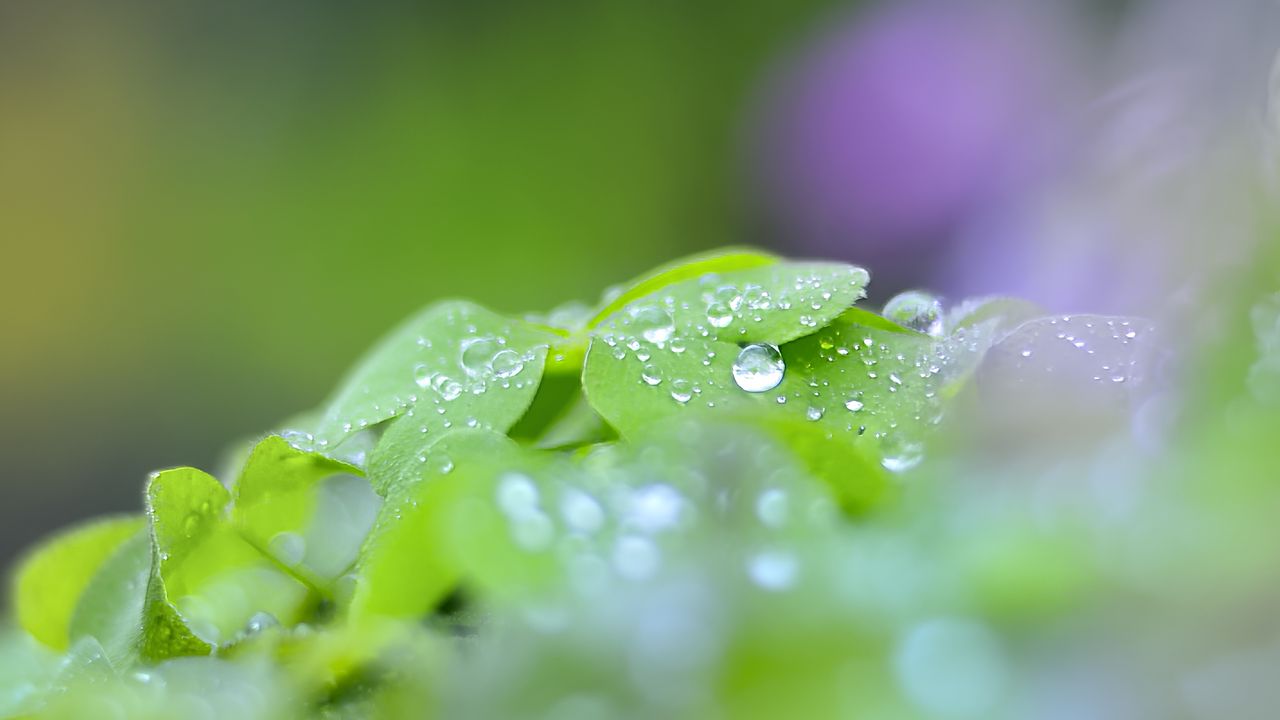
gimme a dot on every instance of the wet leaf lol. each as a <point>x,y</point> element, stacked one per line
<point>453,362</point>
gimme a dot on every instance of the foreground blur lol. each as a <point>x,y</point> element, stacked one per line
<point>211,215</point>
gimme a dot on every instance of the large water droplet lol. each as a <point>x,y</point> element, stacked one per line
<point>758,368</point>
<point>917,310</point>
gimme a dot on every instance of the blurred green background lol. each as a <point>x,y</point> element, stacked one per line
<point>208,210</point>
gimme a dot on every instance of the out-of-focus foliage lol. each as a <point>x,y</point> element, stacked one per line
<point>828,512</point>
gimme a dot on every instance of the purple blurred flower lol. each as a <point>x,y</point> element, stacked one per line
<point>901,125</point>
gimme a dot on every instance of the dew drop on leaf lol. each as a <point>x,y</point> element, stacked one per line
<point>422,376</point>
<point>477,355</point>
<point>651,374</point>
<point>448,388</point>
<point>681,390</point>
<point>507,363</point>
<point>719,315</point>
<point>758,368</point>
<point>653,323</point>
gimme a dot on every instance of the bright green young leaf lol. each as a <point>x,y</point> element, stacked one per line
<point>453,362</point>
<point>848,379</point>
<point>676,350</point>
<point>49,582</point>
<point>207,582</point>
<point>772,303</point>
<point>399,454</point>
<point>724,260</point>
<point>310,513</point>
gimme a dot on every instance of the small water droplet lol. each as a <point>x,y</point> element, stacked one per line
<point>653,322</point>
<point>814,413</point>
<point>758,368</point>
<point>854,405</point>
<point>651,374</point>
<point>681,390</point>
<point>507,363</point>
<point>422,376</point>
<point>448,388</point>
<point>719,315</point>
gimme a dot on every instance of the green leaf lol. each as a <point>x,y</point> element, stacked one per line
<point>310,513</point>
<point>453,362</point>
<point>674,351</point>
<point>207,581</point>
<point>695,266</point>
<point>773,303</point>
<point>49,582</point>
<point>850,379</point>
<point>408,564</point>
